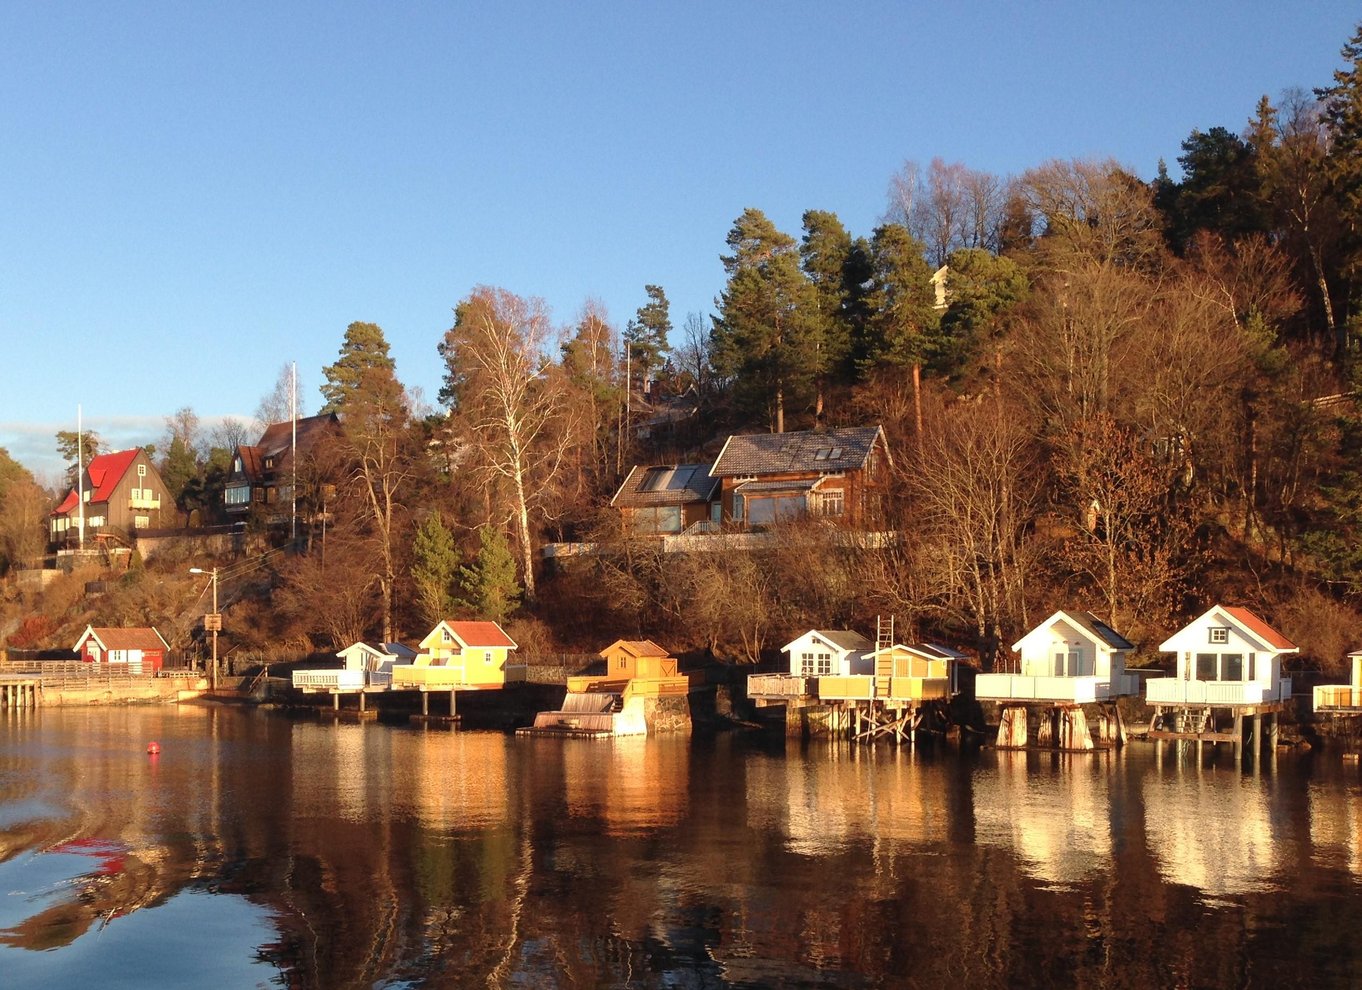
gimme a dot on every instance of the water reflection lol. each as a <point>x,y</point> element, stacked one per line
<point>1052,810</point>
<point>1211,825</point>
<point>320,854</point>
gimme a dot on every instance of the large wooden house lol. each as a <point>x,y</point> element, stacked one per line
<point>140,649</point>
<point>667,499</point>
<point>766,478</point>
<point>287,455</point>
<point>1070,659</point>
<point>460,656</point>
<point>117,495</point>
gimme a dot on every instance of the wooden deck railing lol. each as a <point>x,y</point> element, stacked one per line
<point>1337,697</point>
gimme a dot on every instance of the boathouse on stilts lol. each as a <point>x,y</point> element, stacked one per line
<point>1070,666</point>
<point>1228,684</point>
<point>1342,703</point>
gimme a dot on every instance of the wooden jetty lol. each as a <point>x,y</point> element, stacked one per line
<point>17,693</point>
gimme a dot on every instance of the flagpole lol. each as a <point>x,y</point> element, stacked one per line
<point>80,477</point>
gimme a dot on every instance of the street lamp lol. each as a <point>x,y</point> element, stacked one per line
<point>212,622</point>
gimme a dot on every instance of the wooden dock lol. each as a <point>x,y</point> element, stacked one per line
<point>20,692</point>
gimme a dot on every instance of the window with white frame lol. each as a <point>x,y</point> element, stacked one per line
<point>1220,634</point>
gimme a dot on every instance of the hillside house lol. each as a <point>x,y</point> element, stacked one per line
<point>264,473</point>
<point>140,649</point>
<point>117,495</point>
<point>766,478</point>
<point>667,499</point>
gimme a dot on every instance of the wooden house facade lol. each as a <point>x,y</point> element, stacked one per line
<point>264,474</point>
<point>633,697</point>
<point>668,499</point>
<point>463,656</point>
<point>768,478</point>
<point>118,494</point>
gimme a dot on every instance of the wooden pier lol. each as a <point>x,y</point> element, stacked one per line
<point>1248,728</point>
<point>18,693</point>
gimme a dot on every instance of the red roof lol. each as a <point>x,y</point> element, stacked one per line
<point>1261,629</point>
<point>480,634</point>
<point>144,638</point>
<point>105,472</point>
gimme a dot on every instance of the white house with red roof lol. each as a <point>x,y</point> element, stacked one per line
<point>117,494</point>
<point>463,656</point>
<point>1226,657</point>
<point>141,648</point>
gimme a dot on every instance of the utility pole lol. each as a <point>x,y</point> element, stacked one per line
<point>212,623</point>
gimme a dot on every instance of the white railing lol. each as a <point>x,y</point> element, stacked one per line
<point>1176,691</point>
<point>777,686</point>
<point>1337,696</point>
<point>339,680</point>
<point>1019,687</point>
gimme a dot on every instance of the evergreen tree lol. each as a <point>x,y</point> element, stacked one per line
<point>903,325</point>
<point>1342,112</point>
<point>646,336</point>
<point>489,585</point>
<point>765,337</point>
<point>981,289</point>
<point>434,569</point>
<point>78,449</point>
<point>179,467</point>
<point>363,388</point>
<point>837,271</point>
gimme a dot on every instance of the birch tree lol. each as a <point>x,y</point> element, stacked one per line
<point>511,405</point>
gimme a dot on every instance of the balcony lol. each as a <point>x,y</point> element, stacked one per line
<point>1338,698</point>
<point>777,687</point>
<point>1074,690</point>
<point>1176,691</point>
<point>144,501</point>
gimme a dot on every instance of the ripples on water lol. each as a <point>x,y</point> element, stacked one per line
<point>256,850</point>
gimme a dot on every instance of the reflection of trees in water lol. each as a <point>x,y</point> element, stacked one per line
<point>480,859</point>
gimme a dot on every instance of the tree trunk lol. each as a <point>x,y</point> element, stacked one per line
<point>917,399</point>
<point>523,525</point>
<point>780,407</point>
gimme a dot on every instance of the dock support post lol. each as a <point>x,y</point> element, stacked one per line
<point>335,701</point>
<point>1239,736</point>
<point>451,703</point>
<point>425,702</point>
<point>1273,719</point>
<point>361,700</point>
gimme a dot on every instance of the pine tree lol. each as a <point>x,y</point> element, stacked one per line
<point>836,268</point>
<point>646,336</point>
<point>489,585</point>
<point>434,569</point>
<point>765,338</point>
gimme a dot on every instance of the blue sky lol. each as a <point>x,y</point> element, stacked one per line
<point>194,195</point>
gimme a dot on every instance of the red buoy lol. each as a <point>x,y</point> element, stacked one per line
<point>153,748</point>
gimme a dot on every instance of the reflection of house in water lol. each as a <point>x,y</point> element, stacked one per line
<point>1058,823</point>
<point>1336,827</point>
<point>1212,831</point>
<point>631,785</point>
<point>423,788</point>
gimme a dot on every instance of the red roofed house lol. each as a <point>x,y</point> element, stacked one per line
<point>466,655</point>
<point>141,648</point>
<point>1228,666</point>
<point>122,493</point>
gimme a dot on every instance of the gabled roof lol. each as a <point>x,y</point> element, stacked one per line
<point>277,440</point>
<point>142,638</point>
<point>479,634</point>
<point>397,651</point>
<point>251,462</point>
<point>1260,628</point>
<point>666,484</point>
<point>1247,623</point>
<point>636,648</point>
<point>820,451</point>
<point>1097,630</point>
<point>104,471</point>
<point>935,651</point>
<point>843,639</point>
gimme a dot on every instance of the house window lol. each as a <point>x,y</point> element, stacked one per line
<point>445,636</point>
<point>813,664</point>
<point>141,522</point>
<point>141,470</point>
<point>832,502</point>
<point>1205,666</point>
<point>1234,666</point>
<point>96,521</point>
<point>1252,657</point>
<point>1059,663</point>
<point>1220,634</point>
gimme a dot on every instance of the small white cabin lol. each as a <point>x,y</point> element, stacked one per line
<point>1227,656</point>
<point>830,653</point>
<point>1071,657</point>
<point>366,665</point>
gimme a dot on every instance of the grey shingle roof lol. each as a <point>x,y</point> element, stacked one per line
<point>666,484</point>
<point>808,450</point>
<point>1101,630</point>
<point>847,639</point>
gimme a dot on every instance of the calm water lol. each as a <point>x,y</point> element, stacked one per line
<point>256,850</point>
